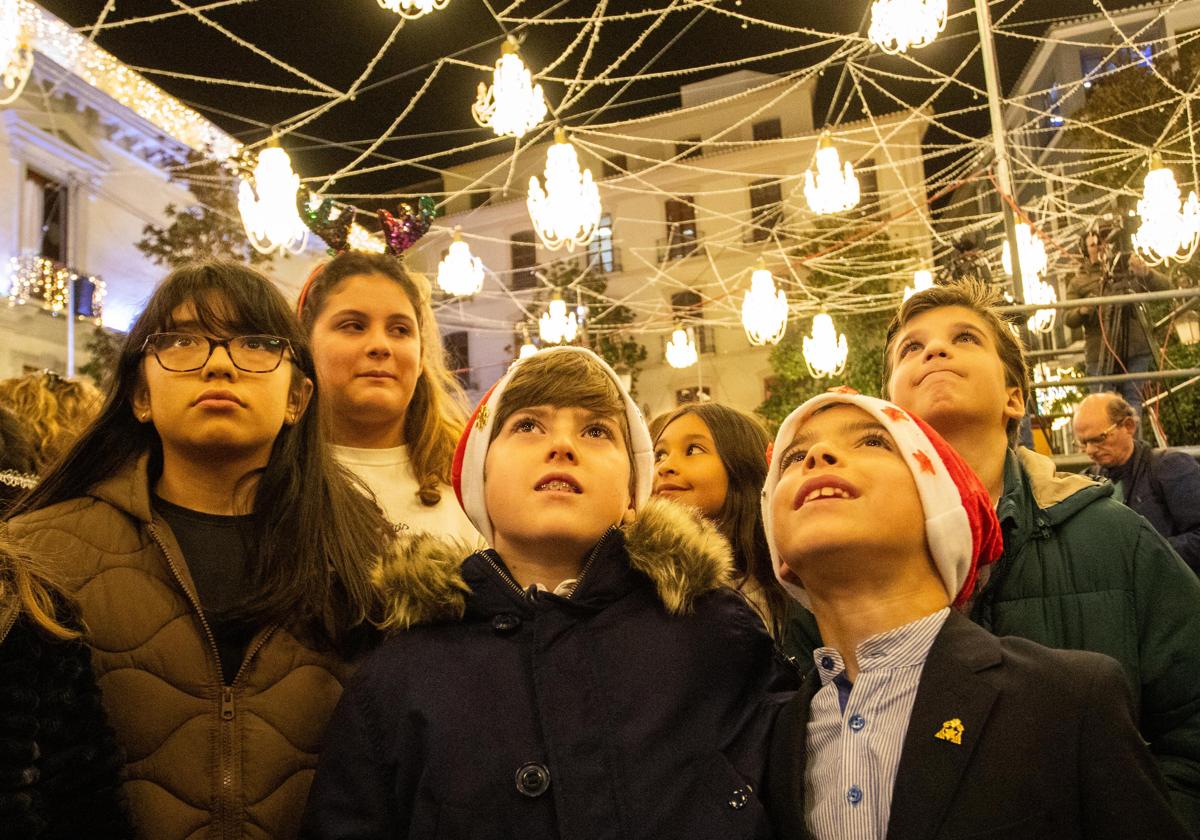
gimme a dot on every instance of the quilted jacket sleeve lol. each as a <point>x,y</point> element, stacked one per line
<point>1167,595</point>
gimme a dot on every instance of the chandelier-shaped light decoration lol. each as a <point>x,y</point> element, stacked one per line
<point>833,187</point>
<point>1169,230</point>
<point>825,351</point>
<point>922,280</point>
<point>16,56</point>
<point>268,205</point>
<point>359,239</point>
<point>557,325</point>
<point>681,349</point>
<point>413,9</point>
<point>898,25</point>
<point>1033,265</point>
<point>513,104</point>
<point>567,212</point>
<point>460,272</point>
<point>764,309</point>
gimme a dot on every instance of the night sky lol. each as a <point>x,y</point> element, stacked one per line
<point>333,40</point>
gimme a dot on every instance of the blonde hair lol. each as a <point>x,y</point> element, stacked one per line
<point>55,411</point>
<point>437,411</point>
<point>24,580</point>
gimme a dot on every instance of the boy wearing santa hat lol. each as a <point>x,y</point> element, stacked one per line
<point>590,675</point>
<point>915,723</point>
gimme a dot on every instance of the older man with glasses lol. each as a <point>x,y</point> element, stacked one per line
<point>1161,484</point>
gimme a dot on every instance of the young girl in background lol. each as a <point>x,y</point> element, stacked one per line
<point>221,559</point>
<point>396,412</point>
<point>713,457</point>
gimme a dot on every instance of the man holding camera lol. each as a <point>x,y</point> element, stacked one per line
<point>1118,339</point>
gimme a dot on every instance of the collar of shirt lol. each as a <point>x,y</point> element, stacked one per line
<point>899,647</point>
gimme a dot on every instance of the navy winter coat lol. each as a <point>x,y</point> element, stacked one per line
<point>636,708</point>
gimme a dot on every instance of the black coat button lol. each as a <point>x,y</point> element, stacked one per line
<point>506,623</point>
<point>533,780</point>
<point>740,798</point>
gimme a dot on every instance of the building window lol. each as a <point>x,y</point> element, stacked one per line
<point>766,208</point>
<point>480,198</point>
<point>687,147</point>
<point>45,207</point>
<point>868,186</point>
<point>615,165</point>
<point>688,309</point>
<point>681,227</point>
<point>767,129</point>
<point>1054,105</point>
<point>695,394</point>
<point>458,356</point>
<point>600,250</point>
<point>523,248</point>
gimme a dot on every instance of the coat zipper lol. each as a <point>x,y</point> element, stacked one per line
<point>226,800</point>
<point>587,564</point>
<point>505,576</point>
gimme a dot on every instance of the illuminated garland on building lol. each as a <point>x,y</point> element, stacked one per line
<point>39,279</point>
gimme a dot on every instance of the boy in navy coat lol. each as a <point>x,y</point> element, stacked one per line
<point>591,675</point>
<point>915,723</point>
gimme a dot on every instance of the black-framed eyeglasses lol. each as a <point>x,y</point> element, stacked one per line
<point>1098,440</point>
<point>183,352</point>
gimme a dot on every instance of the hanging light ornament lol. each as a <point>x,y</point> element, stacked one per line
<point>268,205</point>
<point>922,280</point>
<point>568,211</point>
<point>15,54</point>
<point>681,349</point>
<point>557,326</point>
<point>513,104</point>
<point>360,240</point>
<point>825,351</point>
<point>460,272</point>
<point>897,25</point>
<point>833,188</point>
<point>413,9</point>
<point>1168,230</point>
<point>1033,265</point>
<point>764,309</point>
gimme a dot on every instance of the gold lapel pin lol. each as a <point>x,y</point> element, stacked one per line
<point>952,731</point>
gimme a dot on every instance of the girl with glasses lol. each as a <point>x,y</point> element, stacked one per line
<point>396,411</point>
<point>221,559</point>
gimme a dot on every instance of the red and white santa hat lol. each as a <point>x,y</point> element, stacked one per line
<point>467,470</point>
<point>960,523</point>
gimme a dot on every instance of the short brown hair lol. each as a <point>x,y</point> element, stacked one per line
<point>982,300</point>
<point>565,380</point>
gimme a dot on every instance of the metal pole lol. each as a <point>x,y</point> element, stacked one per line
<point>70,326</point>
<point>1003,175</point>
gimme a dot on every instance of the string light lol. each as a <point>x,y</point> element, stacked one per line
<point>1052,399</point>
<point>764,309</point>
<point>825,352</point>
<point>557,326</point>
<point>833,187</point>
<point>922,280</point>
<point>460,272</point>
<point>268,206</point>
<point>1033,264</point>
<point>37,278</point>
<point>413,9</point>
<point>568,211</point>
<point>15,54</point>
<point>512,104</point>
<point>1169,230</point>
<point>359,239</point>
<point>898,25</point>
<point>681,349</point>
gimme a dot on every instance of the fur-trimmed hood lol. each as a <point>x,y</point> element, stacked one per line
<point>681,552</point>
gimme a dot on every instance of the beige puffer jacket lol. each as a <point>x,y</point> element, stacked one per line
<point>203,760</point>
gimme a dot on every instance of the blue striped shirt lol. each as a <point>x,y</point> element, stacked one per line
<point>856,731</point>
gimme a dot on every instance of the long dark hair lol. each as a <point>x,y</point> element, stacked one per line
<point>315,538</point>
<point>741,441</point>
<point>437,412</point>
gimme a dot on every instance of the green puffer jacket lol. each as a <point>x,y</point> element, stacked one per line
<point>1082,571</point>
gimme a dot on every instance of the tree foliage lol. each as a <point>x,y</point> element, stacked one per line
<point>864,262</point>
<point>104,350</point>
<point>210,228</point>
